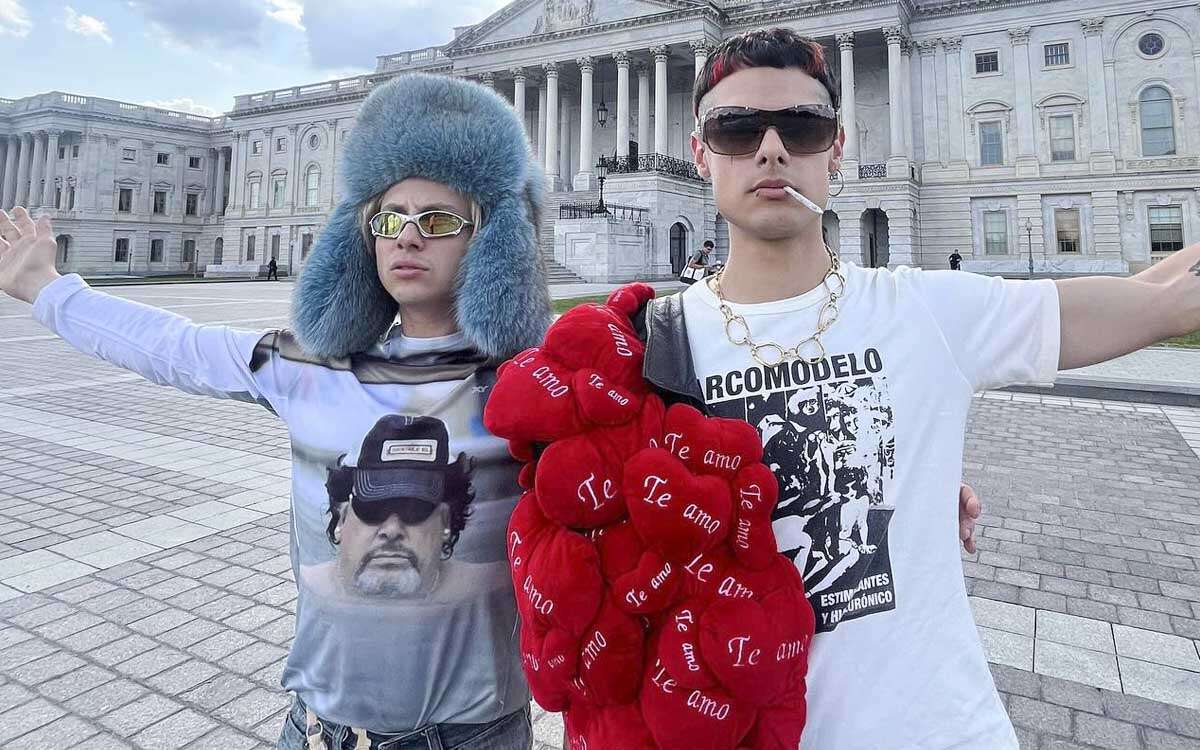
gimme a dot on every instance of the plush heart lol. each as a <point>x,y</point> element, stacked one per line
<point>533,400</point>
<point>679,646</point>
<point>526,477</point>
<point>600,338</point>
<point>755,493</point>
<point>579,483</point>
<point>779,726</point>
<point>610,656</point>
<point>562,586</point>
<point>795,624</point>
<point>652,586</point>
<point>520,450</point>
<point>603,402</point>
<point>740,644</point>
<point>683,719</point>
<point>550,660</point>
<point>607,727</point>
<point>710,445</point>
<point>620,549</point>
<point>527,527</point>
<point>678,514</point>
<point>630,298</point>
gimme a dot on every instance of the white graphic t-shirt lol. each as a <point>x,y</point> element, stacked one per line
<point>867,446</point>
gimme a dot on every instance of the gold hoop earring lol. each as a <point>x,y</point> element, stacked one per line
<point>841,182</point>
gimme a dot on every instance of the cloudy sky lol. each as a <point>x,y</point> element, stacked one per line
<point>171,54</point>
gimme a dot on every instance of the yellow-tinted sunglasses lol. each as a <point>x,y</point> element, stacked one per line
<point>430,224</point>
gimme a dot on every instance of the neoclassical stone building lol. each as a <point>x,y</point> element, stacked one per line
<point>1053,132</point>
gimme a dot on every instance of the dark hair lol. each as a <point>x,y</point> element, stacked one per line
<point>709,243</point>
<point>458,494</point>
<point>765,48</point>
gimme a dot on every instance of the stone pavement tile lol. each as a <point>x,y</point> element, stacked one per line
<point>1072,694</point>
<point>1039,716</point>
<point>102,700</point>
<point>1185,721</point>
<point>1106,733</point>
<point>93,637</point>
<point>254,618</point>
<point>7,593</point>
<point>163,531</point>
<point>253,708</point>
<point>549,730</point>
<point>218,691</point>
<point>69,625</point>
<point>66,732</point>
<point>46,668</point>
<point>996,615</point>
<point>269,730</point>
<point>1160,683</point>
<point>122,650</point>
<point>220,645</point>
<point>151,662</point>
<point>160,622</point>
<point>72,684</point>
<point>190,633</point>
<point>219,609</point>
<point>109,601</point>
<point>51,575</point>
<point>141,713</point>
<point>23,652</point>
<point>35,616</point>
<point>1009,649</point>
<point>19,721</point>
<point>175,731</point>
<point>1078,664</point>
<point>226,739</point>
<point>183,677</point>
<point>1136,710</point>
<point>1160,648</point>
<point>103,742</point>
<point>1075,631</point>
<point>12,694</point>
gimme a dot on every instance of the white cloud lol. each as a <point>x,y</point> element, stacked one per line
<point>290,12</point>
<point>14,19</point>
<point>87,25</point>
<point>183,104</point>
<point>225,24</point>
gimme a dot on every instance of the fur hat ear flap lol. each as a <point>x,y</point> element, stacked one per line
<point>503,302</point>
<point>339,306</point>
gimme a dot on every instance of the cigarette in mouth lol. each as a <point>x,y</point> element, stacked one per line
<point>807,203</point>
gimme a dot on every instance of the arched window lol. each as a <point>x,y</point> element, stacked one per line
<point>1158,127</point>
<point>219,251</point>
<point>64,247</point>
<point>250,247</point>
<point>678,247</point>
<point>312,185</point>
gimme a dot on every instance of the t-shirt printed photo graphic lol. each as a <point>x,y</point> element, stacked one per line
<point>828,436</point>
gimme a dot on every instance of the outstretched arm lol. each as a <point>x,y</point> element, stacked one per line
<point>157,344</point>
<point>1105,317</point>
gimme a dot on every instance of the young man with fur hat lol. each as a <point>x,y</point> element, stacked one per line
<point>394,644</point>
<point>869,375</point>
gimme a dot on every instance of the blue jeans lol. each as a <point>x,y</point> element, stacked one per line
<point>511,732</point>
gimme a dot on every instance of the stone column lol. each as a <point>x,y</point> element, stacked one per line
<point>518,75</point>
<point>700,50</point>
<point>24,165</point>
<point>8,188</point>
<point>333,155</point>
<point>4,169</point>
<point>37,169</point>
<point>643,139</point>
<point>929,101</point>
<point>295,180</point>
<point>583,180</point>
<point>237,183</point>
<point>660,99</point>
<point>1026,153</point>
<point>906,97</point>
<point>622,60</point>
<point>849,115</point>
<point>267,192</point>
<point>52,137</point>
<point>564,140</point>
<point>541,124</point>
<point>488,78</point>
<point>954,99</point>
<point>897,162</point>
<point>1100,146</point>
<point>551,152</point>
<point>177,210</point>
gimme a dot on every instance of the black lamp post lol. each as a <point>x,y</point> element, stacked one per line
<point>602,114</point>
<point>1029,236</point>
<point>601,174</point>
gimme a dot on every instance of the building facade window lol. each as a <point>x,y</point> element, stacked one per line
<point>275,246</point>
<point>254,190</point>
<point>306,241</point>
<point>995,232</point>
<point>160,202</point>
<point>1066,229</point>
<point>1152,44</point>
<point>1157,121</point>
<point>1057,54</point>
<point>256,147</point>
<point>192,205</point>
<point>991,144</point>
<point>75,151</point>
<point>189,251</point>
<point>128,154</point>
<point>987,62</point>
<point>1062,138</point>
<point>1166,229</point>
<point>162,159</point>
<point>278,192</point>
<point>156,251</point>
<point>71,198</point>
<point>280,145</point>
<point>250,247</point>
<point>121,253</point>
<point>312,185</point>
<point>314,141</point>
<point>125,200</point>
<point>62,153</point>
<point>194,162</point>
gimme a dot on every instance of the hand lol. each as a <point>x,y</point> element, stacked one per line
<point>27,252</point>
<point>969,509</point>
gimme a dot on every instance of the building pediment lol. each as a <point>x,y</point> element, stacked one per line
<point>529,18</point>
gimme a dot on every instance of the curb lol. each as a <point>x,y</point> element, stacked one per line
<point>1161,393</point>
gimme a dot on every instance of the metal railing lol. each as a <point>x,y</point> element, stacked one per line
<point>660,163</point>
<point>872,171</point>
<point>94,104</point>
<point>615,212</point>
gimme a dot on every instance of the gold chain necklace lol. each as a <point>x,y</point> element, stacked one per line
<point>737,330</point>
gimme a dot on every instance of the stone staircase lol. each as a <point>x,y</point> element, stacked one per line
<point>557,273</point>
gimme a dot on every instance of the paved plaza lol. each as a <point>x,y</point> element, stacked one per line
<point>146,598</point>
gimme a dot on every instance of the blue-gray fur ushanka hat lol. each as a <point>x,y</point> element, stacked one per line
<point>462,135</point>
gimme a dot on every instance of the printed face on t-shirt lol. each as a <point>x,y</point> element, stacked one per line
<point>392,558</point>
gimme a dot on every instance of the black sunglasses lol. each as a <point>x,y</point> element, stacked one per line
<point>738,131</point>
<point>411,511</point>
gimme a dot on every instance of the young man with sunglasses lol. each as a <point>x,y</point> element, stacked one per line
<point>861,382</point>
<point>399,642</point>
